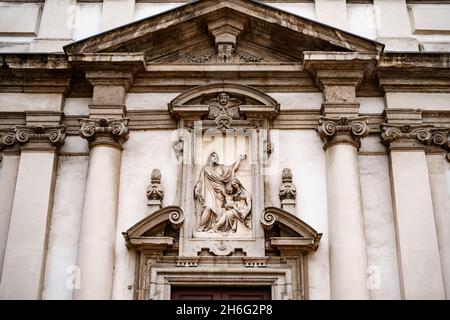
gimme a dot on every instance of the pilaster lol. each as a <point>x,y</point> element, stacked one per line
<point>417,242</point>
<point>25,254</point>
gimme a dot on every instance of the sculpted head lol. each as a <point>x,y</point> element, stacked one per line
<point>223,98</point>
<point>236,184</point>
<point>213,158</point>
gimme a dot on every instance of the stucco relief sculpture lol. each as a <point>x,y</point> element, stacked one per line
<point>221,200</point>
<point>223,109</point>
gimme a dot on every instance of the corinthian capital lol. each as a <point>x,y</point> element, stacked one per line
<point>41,136</point>
<point>104,131</point>
<point>343,130</point>
<point>399,136</point>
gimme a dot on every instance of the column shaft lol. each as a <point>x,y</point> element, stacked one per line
<point>348,257</point>
<point>98,227</point>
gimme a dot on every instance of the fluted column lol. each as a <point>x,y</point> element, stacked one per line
<point>348,257</point>
<point>106,130</point>
<point>24,261</point>
<point>338,74</point>
<point>417,241</point>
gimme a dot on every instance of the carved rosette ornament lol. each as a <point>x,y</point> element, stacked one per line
<point>155,192</point>
<point>40,134</point>
<point>104,131</point>
<point>415,135</point>
<point>343,130</point>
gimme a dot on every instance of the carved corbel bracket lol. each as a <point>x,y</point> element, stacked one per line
<point>415,136</point>
<point>343,130</point>
<point>104,131</point>
<point>225,33</point>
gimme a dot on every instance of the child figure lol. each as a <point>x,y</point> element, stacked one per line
<point>227,219</point>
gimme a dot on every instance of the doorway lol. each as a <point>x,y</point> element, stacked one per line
<point>220,293</point>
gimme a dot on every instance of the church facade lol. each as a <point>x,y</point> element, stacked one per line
<point>222,149</point>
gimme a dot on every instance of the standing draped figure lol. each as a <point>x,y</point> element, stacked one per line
<point>209,190</point>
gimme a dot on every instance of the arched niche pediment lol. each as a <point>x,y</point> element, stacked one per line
<point>159,229</point>
<point>285,231</point>
<point>243,102</point>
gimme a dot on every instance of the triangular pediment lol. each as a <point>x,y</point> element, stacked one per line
<point>223,31</point>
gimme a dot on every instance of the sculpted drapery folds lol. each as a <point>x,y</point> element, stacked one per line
<point>221,199</point>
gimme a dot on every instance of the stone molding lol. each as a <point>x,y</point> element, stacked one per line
<point>36,137</point>
<point>415,136</point>
<point>110,78</point>
<point>343,130</point>
<point>104,132</point>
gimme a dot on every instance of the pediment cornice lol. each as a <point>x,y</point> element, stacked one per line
<point>211,23</point>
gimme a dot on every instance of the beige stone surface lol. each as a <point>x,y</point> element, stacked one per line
<point>430,18</point>
<point>97,235</point>
<point>348,254</point>
<point>19,19</point>
<point>419,259</point>
<point>77,106</point>
<point>441,205</point>
<point>24,264</point>
<point>144,151</point>
<point>332,12</point>
<point>30,101</point>
<point>392,18</point>
<point>8,177</point>
<point>60,271</point>
<point>362,20</point>
<point>382,272</point>
<point>420,100</point>
<point>58,19</point>
<point>116,13</point>
<point>307,162</point>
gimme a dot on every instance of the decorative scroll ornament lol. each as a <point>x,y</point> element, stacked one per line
<point>406,135</point>
<point>155,192</point>
<point>7,138</point>
<point>343,130</point>
<point>104,130</point>
<point>41,134</point>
